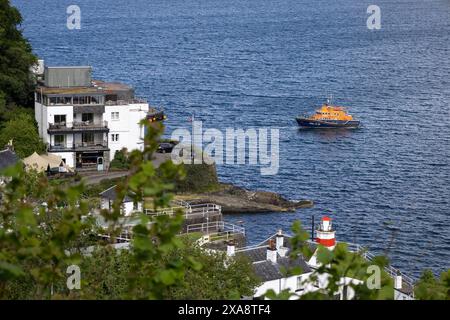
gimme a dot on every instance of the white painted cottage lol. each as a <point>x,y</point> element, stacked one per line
<point>129,206</point>
<point>271,260</point>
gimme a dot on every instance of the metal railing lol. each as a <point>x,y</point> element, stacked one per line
<point>59,147</point>
<point>124,237</point>
<point>390,270</point>
<point>89,124</point>
<point>125,102</point>
<point>165,211</point>
<point>91,145</point>
<point>79,145</point>
<point>216,230</point>
<point>357,248</point>
<point>204,209</point>
<point>78,125</point>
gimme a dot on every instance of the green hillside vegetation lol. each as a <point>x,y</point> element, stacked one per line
<point>16,85</point>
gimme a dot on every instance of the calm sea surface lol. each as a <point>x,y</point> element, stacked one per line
<point>260,63</point>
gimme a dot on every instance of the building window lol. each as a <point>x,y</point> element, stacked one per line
<point>87,117</point>
<point>52,100</point>
<point>60,119</point>
<point>87,138</point>
<point>95,100</point>
<point>59,140</point>
<point>82,100</point>
<point>135,206</point>
<point>115,137</point>
<point>114,116</point>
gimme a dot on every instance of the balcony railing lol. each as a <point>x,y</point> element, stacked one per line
<point>78,126</point>
<point>100,145</point>
<point>89,124</point>
<point>79,146</point>
<point>125,102</point>
<point>59,147</point>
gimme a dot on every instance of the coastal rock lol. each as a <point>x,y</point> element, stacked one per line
<point>235,199</point>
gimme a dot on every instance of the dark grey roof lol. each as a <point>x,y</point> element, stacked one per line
<point>7,158</point>
<point>111,194</point>
<point>267,270</point>
<point>255,255</point>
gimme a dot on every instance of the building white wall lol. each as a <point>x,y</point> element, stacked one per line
<point>127,207</point>
<point>45,115</point>
<point>98,117</point>
<point>306,285</point>
<point>401,296</point>
<point>68,156</point>
<point>49,117</point>
<point>130,133</point>
<point>105,204</point>
<point>59,110</point>
<point>40,113</point>
<point>290,283</point>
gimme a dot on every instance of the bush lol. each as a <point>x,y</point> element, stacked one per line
<point>199,178</point>
<point>121,160</point>
<point>23,131</point>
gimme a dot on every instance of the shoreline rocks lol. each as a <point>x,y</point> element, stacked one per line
<point>235,199</point>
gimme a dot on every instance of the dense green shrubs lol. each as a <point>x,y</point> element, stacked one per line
<point>121,160</point>
<point>199,178</point>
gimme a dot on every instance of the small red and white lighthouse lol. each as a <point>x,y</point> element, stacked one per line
<point>325,235</point>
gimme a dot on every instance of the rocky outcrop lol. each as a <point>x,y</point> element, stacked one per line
<point>239,200</point>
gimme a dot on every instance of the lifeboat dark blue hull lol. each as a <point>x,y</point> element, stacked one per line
<point>308,123</point>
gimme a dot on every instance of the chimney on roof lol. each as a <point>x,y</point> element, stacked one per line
<point>231,248</point>
<point>398,282</point>
<point>279,239</point>
<point>272,251</point>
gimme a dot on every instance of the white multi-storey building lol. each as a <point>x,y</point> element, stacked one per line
<point>86,121</point>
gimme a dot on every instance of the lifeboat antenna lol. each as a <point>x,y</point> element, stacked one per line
<point>330,100</point>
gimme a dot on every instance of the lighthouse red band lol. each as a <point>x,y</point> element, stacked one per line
<point>326,242</point>
<point>325,235</point>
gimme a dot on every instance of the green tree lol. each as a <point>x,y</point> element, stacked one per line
<point>23,132</point>
<point>45,228</point>
<point>430,288</point>
<point>106,272</point>
<point>16,58</point>
<point>219,278</point>
<point>121,160</point>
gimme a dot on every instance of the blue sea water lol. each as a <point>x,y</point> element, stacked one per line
<point>260,63</point>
